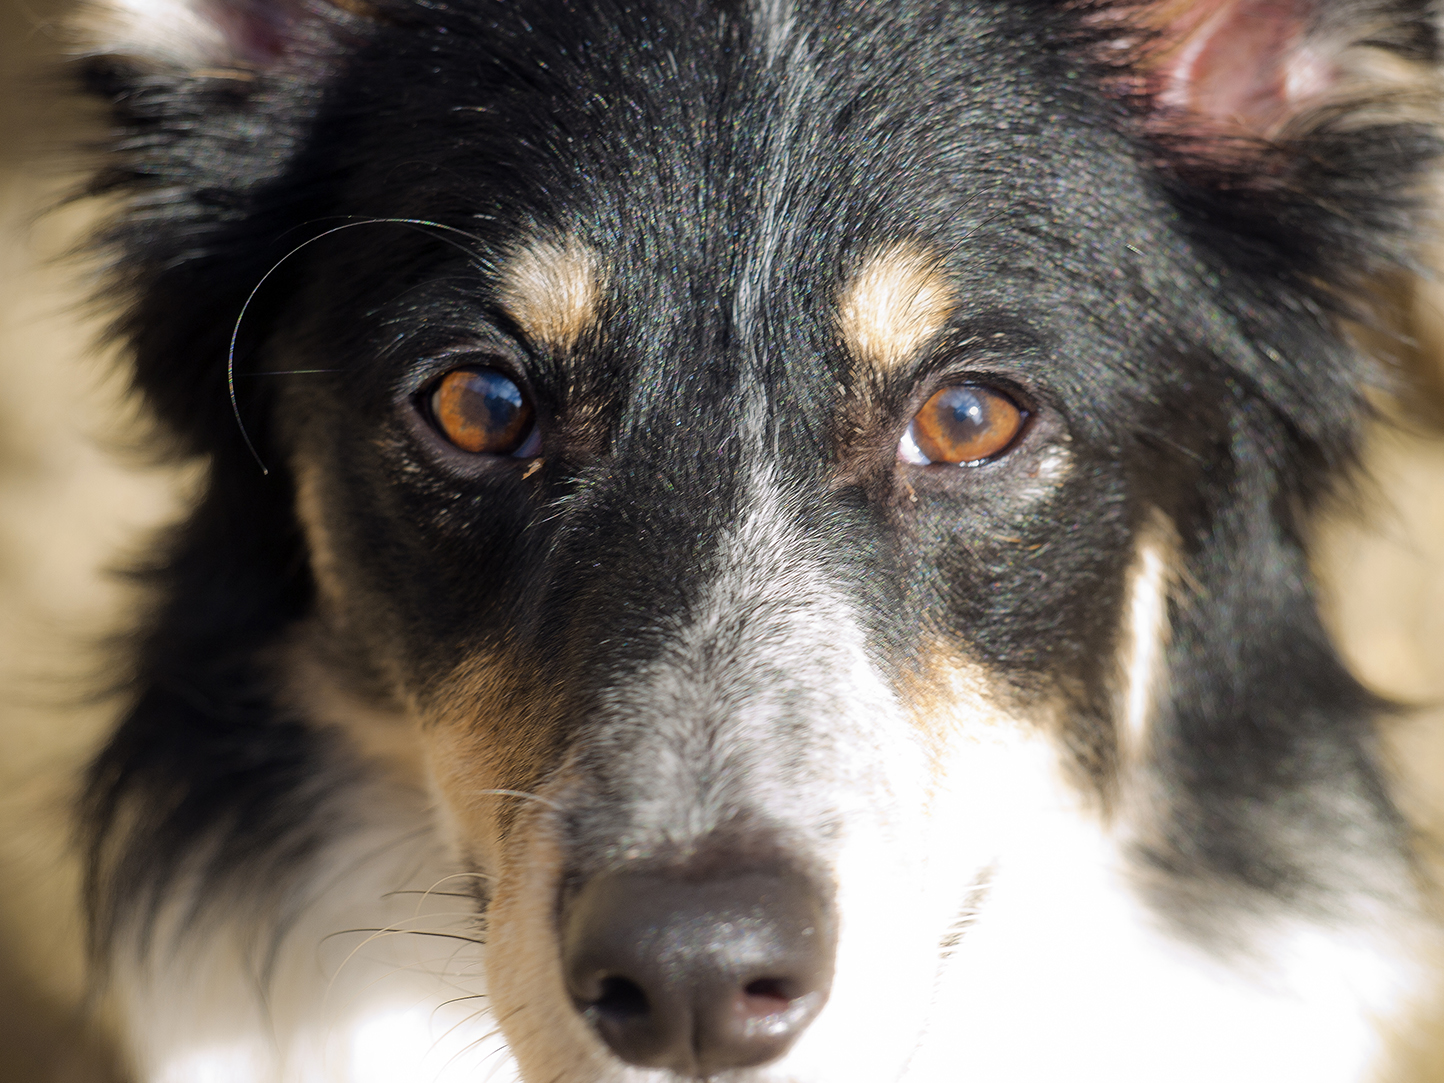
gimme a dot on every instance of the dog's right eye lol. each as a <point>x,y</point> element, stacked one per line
<point>483,412</point>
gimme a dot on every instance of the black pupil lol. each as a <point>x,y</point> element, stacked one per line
<point>500,398</point>
<point>969,414</point>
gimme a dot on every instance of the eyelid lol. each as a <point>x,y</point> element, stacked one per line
<point>426,369</point>
<point>530,447</point>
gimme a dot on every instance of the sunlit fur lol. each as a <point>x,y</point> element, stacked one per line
<point>1144,654</point>
<point>897,300</point>
<point>552,291</point>
<point>171,32</point>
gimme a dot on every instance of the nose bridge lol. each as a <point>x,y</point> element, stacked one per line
<point>723,661</point>
<point>648,531</point>
<point>756,624</point>
<point>715,716</point>
<point>749,650</point>
<point>668,554</point>
<point>691,586</point>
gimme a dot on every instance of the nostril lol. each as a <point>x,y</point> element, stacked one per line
<point>767,995</point>
<point>621,1000</point>
<point>771,1008</point>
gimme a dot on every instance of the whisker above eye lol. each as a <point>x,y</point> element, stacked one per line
<point>287,372</point>
<point>421,224</point>
<point>518,793</point>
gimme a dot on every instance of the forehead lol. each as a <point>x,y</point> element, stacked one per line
<point>708,140</point>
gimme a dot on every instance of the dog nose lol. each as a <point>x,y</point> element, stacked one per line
<point>698,975</point>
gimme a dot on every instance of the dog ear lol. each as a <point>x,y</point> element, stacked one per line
<point>203,208</point>
<point>1297,142</point>
<point>1297,137</point>
<point>1246,65</point>
<point>1224,71</point>
<point>244,35</point>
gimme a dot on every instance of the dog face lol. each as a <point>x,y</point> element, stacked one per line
<point>704,595</point>
<point>810,492</point>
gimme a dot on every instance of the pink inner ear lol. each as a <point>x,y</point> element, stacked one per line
<point>257,31</point>
<point>1240,64</point>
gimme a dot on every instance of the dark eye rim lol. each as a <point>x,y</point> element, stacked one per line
<point>1025,403</point>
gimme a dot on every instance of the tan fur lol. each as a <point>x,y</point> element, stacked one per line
<point>314,685</point>
<point>965,717</point>
<point>553,291</point>
<point>527,990</point>
<point>310,510</point>
<point>896,302</point>
<point>955,695</point>
<point>489,738</point>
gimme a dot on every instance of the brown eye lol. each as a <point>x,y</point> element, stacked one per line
<point>483,412</point>
<point>963,425</point>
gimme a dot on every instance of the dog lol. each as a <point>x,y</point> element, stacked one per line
<point>753,540</point>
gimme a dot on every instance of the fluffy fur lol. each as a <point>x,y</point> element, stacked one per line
<point>1057,739</point>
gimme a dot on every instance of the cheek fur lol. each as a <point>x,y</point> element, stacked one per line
<point>968,784</point>
<point>547,1035</point>
<point>489,738</point>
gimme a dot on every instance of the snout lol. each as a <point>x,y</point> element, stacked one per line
<point>699,975</point>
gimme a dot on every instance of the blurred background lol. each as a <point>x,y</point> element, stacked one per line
<point>76,497</point>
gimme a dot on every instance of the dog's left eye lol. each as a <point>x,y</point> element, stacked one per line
<point>483,412</point>
<point>963,425</point>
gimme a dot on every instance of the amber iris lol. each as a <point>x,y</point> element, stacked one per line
<point>481,411</point>
<point>966,424</point>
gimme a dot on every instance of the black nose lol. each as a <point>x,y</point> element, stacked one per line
<point>698,975</point>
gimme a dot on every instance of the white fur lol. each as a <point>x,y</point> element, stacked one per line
<point>1052,469</point>
<point>169,33</point>
<point>1146,634</point>
<point>337,1005</point>
<point>1063,975</point>
<point>776,20</point>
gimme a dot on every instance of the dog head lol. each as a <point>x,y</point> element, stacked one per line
<point>814,492</point>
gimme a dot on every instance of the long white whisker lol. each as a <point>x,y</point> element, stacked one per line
<point>518,793</point>
<point>240,317</point>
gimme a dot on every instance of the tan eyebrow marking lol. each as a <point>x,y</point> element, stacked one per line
<point>553,291</point>
<point>897,301</point>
